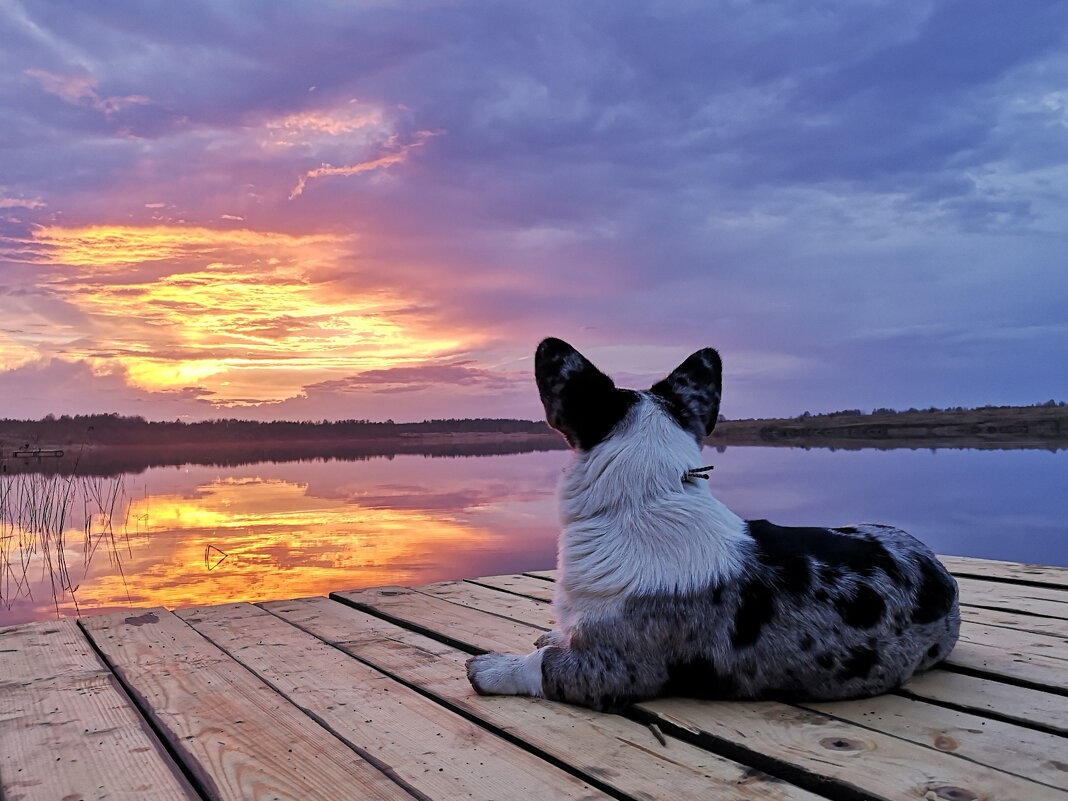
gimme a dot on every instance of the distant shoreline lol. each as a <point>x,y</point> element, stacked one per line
<point>132,444</point>
<point>991,427</point>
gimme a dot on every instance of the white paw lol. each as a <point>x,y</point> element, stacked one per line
<point>505,674</point>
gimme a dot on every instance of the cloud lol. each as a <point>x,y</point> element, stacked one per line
<point>303,127</point>
<point>22,203</point>
<point>418,378</point>
<point>398,154</point>
<point>80,90</point>
<point>252,316</point>
<point>75,387</point>
<point>119,246</point>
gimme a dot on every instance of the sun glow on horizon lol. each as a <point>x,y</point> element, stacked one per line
<point>246,316</point>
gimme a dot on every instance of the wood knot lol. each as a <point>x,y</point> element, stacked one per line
<point>841,744</point>
<point>949,793</point>
<point>943,742</point>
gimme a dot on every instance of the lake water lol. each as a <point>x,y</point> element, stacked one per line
<point>179,536</point>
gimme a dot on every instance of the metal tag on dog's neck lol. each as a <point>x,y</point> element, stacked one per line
<point>697,472</point>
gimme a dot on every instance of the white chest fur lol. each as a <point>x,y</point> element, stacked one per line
<point>631,525</point>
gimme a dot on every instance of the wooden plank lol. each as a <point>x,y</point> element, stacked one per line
<point>1011,620</point>
<point>527,586</point>
<point>237,737</point>
<point>51,649</point>
<point>617,752</point>
<point>1012,655</point>
<point>67,729</point>
<point>998,570</point>
<point>438,752</point>
<point>1005,746</point>
<point>1045,601</point>
<point>497,601</point>
<point>780,737</point>
<point>987,696</point>
<point>450,620</point>
<point>868,762</point>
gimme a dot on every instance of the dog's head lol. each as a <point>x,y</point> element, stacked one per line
<point>584,405</point>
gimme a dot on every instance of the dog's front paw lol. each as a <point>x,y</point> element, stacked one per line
<point>489,673</point>
<point>548,639</point>
<point>475,667</point>
<point>504,674</point>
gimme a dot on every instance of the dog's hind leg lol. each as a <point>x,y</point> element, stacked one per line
<point>601,678</point>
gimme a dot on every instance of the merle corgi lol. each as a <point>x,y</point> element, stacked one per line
<point>663,590</point>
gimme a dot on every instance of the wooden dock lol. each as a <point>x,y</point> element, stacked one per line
<point>363,696</point>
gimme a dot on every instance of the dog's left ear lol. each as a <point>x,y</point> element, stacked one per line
<point>692,392</point>
<point>580,401</point>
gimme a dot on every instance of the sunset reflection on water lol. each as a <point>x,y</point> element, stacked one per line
<point>194,535</point>
<point>198,535</point>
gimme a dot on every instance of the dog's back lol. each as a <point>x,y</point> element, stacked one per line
<point>663,590</point>
<point>815,614</point>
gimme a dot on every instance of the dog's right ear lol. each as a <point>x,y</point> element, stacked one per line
<point>692,392</point>
<point>580,401</point>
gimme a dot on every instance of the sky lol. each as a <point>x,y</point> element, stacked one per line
<point>375,210</point>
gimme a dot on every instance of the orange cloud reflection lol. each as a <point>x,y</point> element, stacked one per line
<point>269,539</point>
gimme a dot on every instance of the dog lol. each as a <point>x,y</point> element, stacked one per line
<point>662,590</point>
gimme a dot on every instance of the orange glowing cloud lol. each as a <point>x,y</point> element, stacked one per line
<point>117,246</point>
<point>14,354</point>
<point>397,155</point>
<point>301,127</point>
<point>248,316</point>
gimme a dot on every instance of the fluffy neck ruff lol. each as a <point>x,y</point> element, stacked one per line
<point>632,526</point>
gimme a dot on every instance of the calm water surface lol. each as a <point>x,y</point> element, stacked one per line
<point>180,536</point>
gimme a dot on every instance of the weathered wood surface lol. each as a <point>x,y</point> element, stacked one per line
<point>237,737</point>
<point>1018,622</point>
<point>68,730</point>
<point>364,695</point>
<point>1036,708</point>
<point>811,747</point>
<point>1043,601</point>
<point>994,569</point>
<point>520,585</point>
<point>424,745</point>
<point>620,753</point>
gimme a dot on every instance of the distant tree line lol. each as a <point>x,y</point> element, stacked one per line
<point>115,429</point>
<point>913,410</point>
